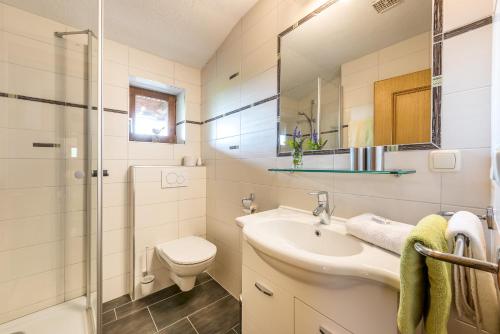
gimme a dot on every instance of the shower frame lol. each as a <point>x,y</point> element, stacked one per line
<point>94,318</point>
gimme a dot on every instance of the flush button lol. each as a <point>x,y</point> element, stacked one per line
<point>171,178</point>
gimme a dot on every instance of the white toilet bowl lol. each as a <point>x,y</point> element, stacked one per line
<point>186,258</point>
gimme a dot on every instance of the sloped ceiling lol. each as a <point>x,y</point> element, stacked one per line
<point>187,31</point>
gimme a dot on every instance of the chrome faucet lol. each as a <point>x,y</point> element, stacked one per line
<point>323,209</point>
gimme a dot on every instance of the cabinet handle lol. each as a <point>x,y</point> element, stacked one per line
<point>323,330</point>
<point>263,289</point>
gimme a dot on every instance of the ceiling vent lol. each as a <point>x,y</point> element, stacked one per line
<point>382,6</point>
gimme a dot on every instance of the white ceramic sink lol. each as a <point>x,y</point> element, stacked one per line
<point>291,241</point>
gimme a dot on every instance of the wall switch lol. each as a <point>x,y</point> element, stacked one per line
<point>445,161</point>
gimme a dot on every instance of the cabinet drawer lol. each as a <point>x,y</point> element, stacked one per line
<point>310,321</point>
<point>267,309</point>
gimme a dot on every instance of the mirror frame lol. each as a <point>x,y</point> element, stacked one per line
<point>437,78</point>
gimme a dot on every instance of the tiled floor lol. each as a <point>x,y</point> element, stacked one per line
<point>207,309</point>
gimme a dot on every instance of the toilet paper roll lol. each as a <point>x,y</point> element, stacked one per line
<point>189,161</point>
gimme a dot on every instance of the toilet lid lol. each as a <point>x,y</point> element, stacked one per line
<point>188,250</point>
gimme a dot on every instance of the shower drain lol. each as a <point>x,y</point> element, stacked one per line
<point>18,333</point>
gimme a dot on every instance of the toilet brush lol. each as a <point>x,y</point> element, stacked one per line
<point>147,280</point>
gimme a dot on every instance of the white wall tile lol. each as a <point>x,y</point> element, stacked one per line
<point>409,212</point>
<point>187,74</point>
<point>115,124</point>
<point>21,203</point>
<point>471,186</point>
<point>116,52</point>
<point>19,233</point>
<point>150,63</point>
<point>145,151</point>
<point>115,97</point>
<point>39,28</point>
<point>458,13</point>
<point>260,60</point>
<point>467,61</point>
<point>115,74</point>
<point>260,33</point>
<point>115,148</point>
<point>31,260</point>
<point>464,115</point>
<point>259,87</point>
<point>192,208</point>
<point>196,226</point>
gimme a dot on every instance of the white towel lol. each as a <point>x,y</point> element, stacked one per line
<point>379,231</point>
<point>475,292</point>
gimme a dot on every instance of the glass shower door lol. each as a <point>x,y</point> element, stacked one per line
<point>50,134</point>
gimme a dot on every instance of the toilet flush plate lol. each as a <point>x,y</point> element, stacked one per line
<point>173,179</point>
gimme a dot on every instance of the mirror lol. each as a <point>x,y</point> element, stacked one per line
<point>358,73</point>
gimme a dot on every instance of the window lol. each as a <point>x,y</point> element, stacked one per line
<point>152,116</point>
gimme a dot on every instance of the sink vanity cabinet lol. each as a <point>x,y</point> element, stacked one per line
<point>283,296</point>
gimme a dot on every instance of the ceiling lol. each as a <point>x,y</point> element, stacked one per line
<point>186,31</point>
<point>346,31</point>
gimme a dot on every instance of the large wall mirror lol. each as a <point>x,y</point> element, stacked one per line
<point>358,73</point>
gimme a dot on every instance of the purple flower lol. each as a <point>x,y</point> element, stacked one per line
<point>314,137</point>
<point>297,133</point>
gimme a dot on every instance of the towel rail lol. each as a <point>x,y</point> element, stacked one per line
<point>488,217</point>
<point>459,260</point>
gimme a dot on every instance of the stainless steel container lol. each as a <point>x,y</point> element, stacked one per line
<point>353,158</point>
<point>379,158</point>
<point>361,158</point>
<point>370,158</point>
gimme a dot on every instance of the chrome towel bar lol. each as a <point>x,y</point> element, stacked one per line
<point>460,244</point>
<point>488,217</point>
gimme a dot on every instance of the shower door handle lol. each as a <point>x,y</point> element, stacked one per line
<point>104,172</point>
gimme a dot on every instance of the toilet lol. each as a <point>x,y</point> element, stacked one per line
<point>185,258</point>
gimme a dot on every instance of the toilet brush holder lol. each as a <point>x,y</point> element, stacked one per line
<point>147,280</point>
<point>147,283</point>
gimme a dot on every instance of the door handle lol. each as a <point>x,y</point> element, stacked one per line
<point>104,172</point>
<point>263,289</point>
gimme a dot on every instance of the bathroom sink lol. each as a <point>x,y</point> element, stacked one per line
<point>297,235</point>
<point>293,242</point>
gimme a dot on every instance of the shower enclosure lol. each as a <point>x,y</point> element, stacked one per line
<point>50,166</point>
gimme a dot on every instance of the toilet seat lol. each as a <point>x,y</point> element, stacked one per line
<point>187,251</point>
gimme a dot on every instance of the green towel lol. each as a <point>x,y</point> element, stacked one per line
<point>425,282</point>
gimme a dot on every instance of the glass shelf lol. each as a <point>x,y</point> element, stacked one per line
<point>396,172</point>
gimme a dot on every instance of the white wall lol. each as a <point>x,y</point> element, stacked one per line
<point>232,174</point>
<point>42,205</point>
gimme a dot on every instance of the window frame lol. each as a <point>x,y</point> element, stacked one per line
<point>171,124</point>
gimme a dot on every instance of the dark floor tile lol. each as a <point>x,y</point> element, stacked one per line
<point>181,327</point>
<point>108,316</point>
<point>141,303</point>
<point>237,328</point>
<point>115,303</point>
<point>181,305</point>
<point>136,323</point>
<point>218,318</point>
<point>202,278</point>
